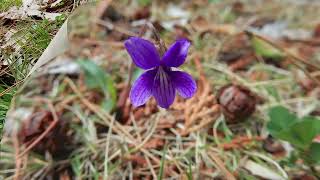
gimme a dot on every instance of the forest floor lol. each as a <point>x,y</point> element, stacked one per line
<point>256,64</point>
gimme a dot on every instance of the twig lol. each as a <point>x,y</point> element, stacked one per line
<point>161,43</point>
<point>151,168</point>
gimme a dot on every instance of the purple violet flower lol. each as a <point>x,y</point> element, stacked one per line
<point>159,79</point>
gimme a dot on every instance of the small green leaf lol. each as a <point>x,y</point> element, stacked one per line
<point>305,131</point>
<point>163,159</point>
<point>314,152</point>
<point>286,126</point>
<point>302,133</point>
<point>280,120</point>
<point>264,49</point>
<point>97,78</point>
<point>189,171</point>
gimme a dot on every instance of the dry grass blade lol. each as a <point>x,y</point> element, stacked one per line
<point>220,165</point>
<point>11,87</point>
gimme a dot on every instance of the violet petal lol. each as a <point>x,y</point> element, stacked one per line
<point>141,90</point>
<point>163,89</point>
<point>183,83</point>
<point>176,54</point>
<point>143,53</point>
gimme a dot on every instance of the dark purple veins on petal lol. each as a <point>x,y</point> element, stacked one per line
<point>176,54</point>
<point>141,90</point>
<point>163,89</point>
<point>183,83</point>
<point>143,53</point>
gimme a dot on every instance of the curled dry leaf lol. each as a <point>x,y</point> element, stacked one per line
<point>261,171</point>
<point>30,125</point>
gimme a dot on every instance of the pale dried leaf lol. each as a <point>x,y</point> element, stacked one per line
<point>261,171</point>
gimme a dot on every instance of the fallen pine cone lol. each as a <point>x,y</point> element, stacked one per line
<point>237,102</point>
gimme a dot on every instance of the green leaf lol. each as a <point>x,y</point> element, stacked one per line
<point>280,120</point>
<point>97,78</point>
<point>314,152</point>
<point>286,126</point>
<point>303,133</point>
<point>264,49</point>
